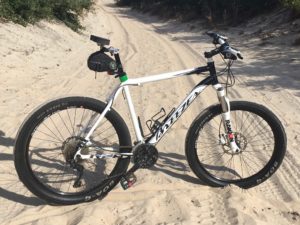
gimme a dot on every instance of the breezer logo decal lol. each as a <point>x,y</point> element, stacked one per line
<point>163,129</point>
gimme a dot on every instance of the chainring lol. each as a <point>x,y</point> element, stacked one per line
<point>145,156</point>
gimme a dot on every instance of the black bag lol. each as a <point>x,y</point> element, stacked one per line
<point>100,62</point>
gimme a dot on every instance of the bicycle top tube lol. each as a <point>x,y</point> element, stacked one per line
<point>164,76</point>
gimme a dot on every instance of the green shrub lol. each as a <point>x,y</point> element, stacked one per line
<point>31,11</point>
<point>293,4</point>
<point>228,11</point>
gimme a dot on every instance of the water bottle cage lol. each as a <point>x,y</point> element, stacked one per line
<point>157,120</point>
<point>154,123</point>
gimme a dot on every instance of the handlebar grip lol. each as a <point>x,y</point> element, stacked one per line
<point>212,34</point>
<point>240,56</point>
<point>212,53</point>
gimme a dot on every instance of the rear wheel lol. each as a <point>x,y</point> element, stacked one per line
<point>259,135</point>
<point>48,140</point>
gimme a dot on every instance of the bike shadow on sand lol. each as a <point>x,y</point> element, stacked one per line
<point>41,161</point>
<point>6,141</point>
<point>6,187</point>
<point>6,183</point>
<point>172,165</point>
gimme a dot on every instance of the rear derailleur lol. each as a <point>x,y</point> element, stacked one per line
<point>79,169</point>
<point>69,149</point>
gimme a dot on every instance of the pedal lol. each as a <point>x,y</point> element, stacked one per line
<point>128,180</point>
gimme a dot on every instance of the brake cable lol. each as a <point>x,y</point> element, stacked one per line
<point>230,80</point>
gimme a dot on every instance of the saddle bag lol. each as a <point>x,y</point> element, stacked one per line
<point>100,62</point>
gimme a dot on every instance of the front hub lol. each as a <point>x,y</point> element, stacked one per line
<point>240,140</point>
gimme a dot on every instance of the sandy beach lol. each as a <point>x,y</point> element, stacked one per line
<point>48,60</point>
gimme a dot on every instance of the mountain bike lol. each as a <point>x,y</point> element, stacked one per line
<point>77,149</point>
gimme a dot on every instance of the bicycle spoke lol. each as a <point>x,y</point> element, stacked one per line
<point>64,124</point>
<point>72,127</point>
<point>45,140</point>
<point>256,157</point>
<point>56,128</point>
<point>241,166</point>
<point>249,126</point>
<point>104,130</point>
<point>259,131</point>
<point>107,137</point>
<point>48,135</point>
<point>217,160</point>
<point>79,125</point>
<point>52,132</point>
<point>75,113</point>
<point>212,155</point>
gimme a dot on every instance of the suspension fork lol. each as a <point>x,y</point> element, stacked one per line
<point>225,104</point>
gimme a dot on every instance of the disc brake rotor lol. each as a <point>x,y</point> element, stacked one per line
<point>240,140</point>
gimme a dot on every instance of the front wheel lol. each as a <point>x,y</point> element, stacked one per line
<point>259,135</point>
<point>48,140</point>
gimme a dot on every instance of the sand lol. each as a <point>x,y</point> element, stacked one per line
<point>48,60</point>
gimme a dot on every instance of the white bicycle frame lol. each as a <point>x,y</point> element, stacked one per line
<point>154,139</point>
<point>125,87</point>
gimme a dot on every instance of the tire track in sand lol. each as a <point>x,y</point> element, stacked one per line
<point>130,48</point>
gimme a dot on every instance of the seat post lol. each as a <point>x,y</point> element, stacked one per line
<point>121,73</point>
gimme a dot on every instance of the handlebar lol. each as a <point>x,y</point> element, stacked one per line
<point>225,49</point>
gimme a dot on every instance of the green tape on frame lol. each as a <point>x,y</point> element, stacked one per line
<point>123,78</point>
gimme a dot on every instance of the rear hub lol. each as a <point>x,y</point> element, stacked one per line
<point>70,146</point>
